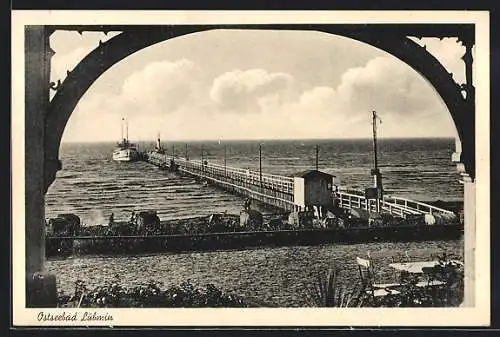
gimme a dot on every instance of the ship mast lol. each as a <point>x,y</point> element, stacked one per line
<point>126,129</point>
<point>121,129</point>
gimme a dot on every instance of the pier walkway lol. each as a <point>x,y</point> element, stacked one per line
<point>278,191</point>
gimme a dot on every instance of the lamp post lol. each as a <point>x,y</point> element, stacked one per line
<point>260,164</point>
<point>225,160</point>
<point>377,176</point>
<point>202,160</point>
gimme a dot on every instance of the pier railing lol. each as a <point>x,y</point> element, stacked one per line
<point>349,200</point>
<point>394,205</point>
<point>268,188</point>
<point>277,190</point>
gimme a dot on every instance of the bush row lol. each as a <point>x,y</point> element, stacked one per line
<point>148,295</point>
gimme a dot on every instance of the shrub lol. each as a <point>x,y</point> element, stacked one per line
<point>448,294</point>
<point>328,291</point>
<point>148,295</point>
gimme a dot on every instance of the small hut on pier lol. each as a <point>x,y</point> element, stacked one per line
<point>312,196</point>
<point>313,188</point>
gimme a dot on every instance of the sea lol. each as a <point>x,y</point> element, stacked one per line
<point>93,186</point>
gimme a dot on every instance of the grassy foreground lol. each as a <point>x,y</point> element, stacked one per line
<point>328,291</point>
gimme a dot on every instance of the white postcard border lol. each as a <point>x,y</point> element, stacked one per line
<point>478,315</point>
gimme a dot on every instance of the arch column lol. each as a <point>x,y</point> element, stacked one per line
<point>469,240</point>
<point>467,167</point>
<point>40,286</point>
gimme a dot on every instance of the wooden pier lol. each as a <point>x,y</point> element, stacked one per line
<point>273,190</point>
<point>280,191</point>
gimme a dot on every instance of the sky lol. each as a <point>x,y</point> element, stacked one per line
<point>227,84</point>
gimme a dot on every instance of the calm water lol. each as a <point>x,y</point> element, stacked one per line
<point>92,186</point>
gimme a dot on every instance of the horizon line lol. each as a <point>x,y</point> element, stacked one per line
<point>258,139</point>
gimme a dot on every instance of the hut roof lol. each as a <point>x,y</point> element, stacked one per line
<point>310,173</point>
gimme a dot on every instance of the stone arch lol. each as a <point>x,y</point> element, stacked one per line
<point>136,38</point>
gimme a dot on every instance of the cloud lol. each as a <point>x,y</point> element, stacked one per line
<point>407,103</point>
<point>241,91</point>
<point>161,87</point>
<point>148,98</point>
<point>283,90</point>
<point>318,100</point>
<point>387,85</point>
<point>172,98</point>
